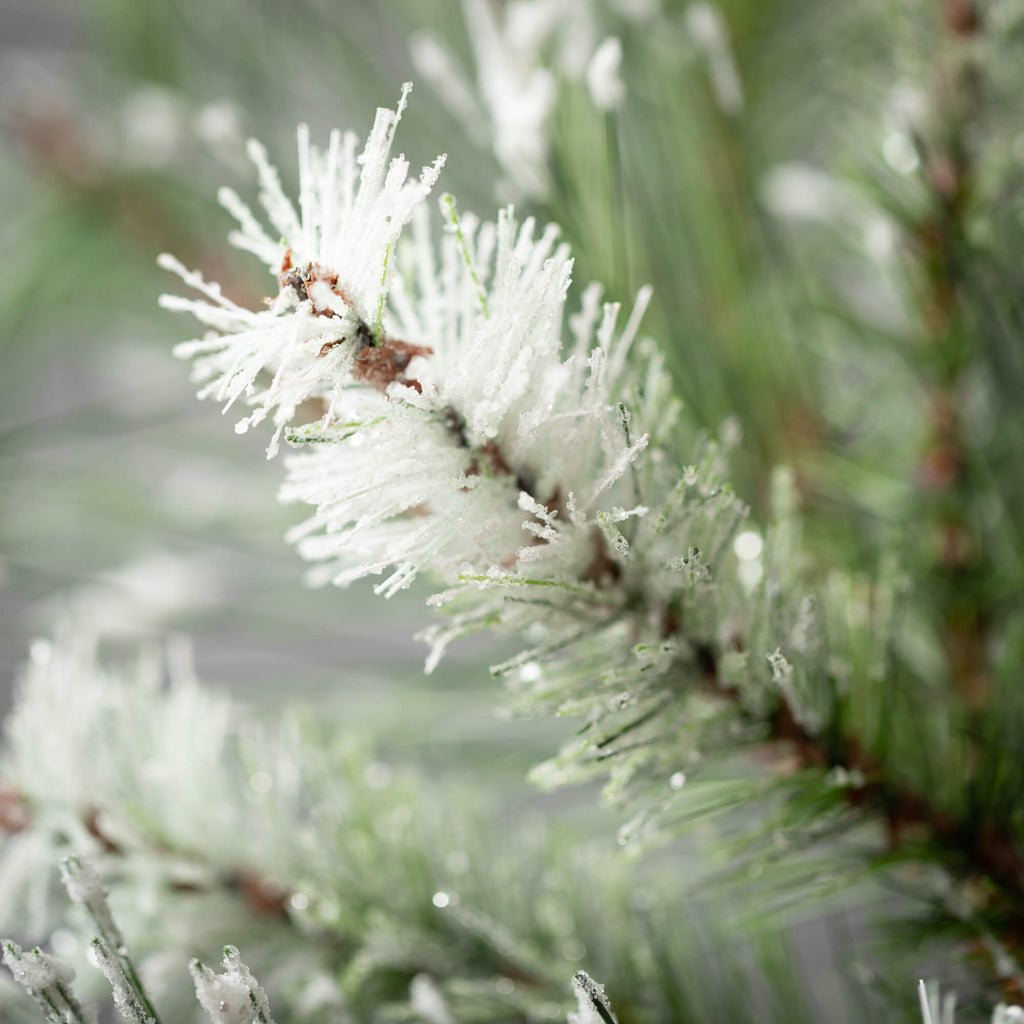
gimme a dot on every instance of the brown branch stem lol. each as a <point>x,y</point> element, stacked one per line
<point>944,472</point>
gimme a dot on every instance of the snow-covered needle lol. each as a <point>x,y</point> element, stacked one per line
<point>109,951</point>
<point>593,1003</point>
<point>48,980</point>
<point>233,996</point>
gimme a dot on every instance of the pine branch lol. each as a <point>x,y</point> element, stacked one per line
<point>470,433</point>
<point>393,881</point>
<point>483,433</point>
<point>946,471</point>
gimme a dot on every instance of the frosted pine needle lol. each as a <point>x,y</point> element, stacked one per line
<point>109,951</point>
<point>594,1007</point>
<point>233,996</point>
<point>48,980</point>
<point>130,1000</point>
<point>85,888</point>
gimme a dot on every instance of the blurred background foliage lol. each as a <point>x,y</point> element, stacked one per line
<point>835,251</point>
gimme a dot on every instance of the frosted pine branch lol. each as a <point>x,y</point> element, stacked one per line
<point>369,871</point>
<point>460,435</point>
<point>351,213</point>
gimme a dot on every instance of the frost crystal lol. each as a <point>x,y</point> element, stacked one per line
<point>593,1004</point>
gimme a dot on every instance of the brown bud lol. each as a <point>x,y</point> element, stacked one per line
<point>962,17</point>
<point>14,814</point>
